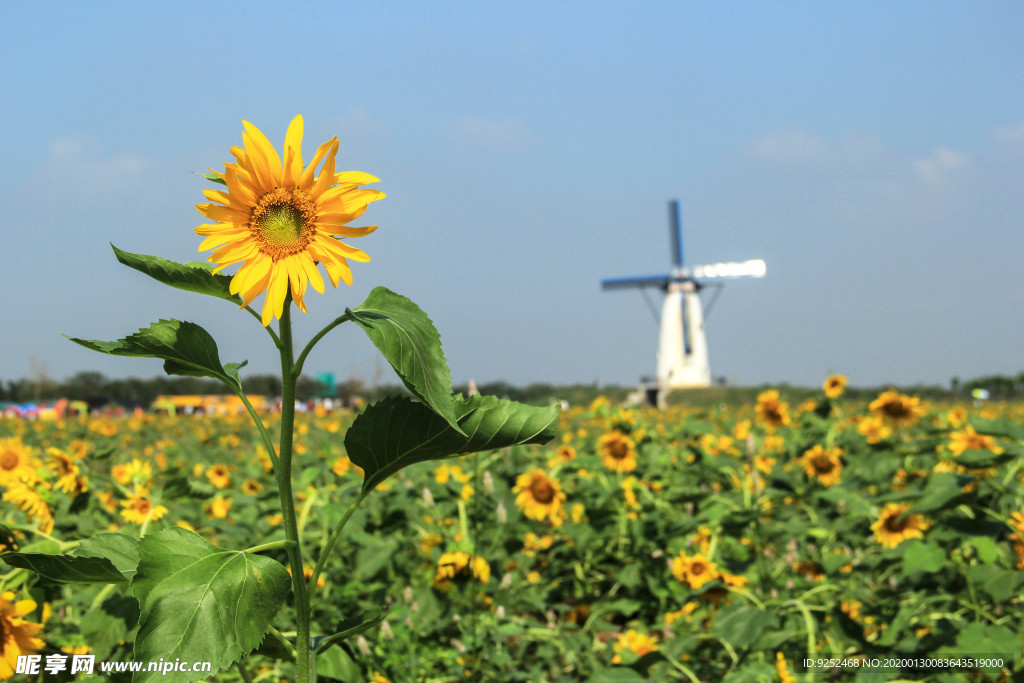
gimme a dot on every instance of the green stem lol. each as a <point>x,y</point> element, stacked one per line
<point>284,485</point>
<point>326,551</point>
<point>268,546</point>
<point>277,341</point>
<point>268,443</point>
<point>245,672</point>
<point>312,342</point>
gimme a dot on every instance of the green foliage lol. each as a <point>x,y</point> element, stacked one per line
<point>407,339</point>
<point>396,433</point>
<point>185,348</point>
<point>202,603</point>
<point>195,277</point>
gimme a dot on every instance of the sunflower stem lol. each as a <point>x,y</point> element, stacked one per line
<point>284,485</point>
<point>297,369</point>
<point>326,551</point>
<point>268,443</point>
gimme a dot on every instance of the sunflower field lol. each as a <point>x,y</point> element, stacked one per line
<point>691,544</point>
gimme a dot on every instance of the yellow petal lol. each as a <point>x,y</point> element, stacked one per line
<point>312,272</point>
<point>293,153</point>
<point>308,176</point>
<point>323,181</point>
<point>266,150</point>
<point>355,177</point>
<point>249,274</point>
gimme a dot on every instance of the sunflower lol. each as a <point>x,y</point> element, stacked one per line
<point>874,429</point>
<point>137,470</point>
<point>29,499</point>
<point>138,508</point>
<point>823,464</point>
<point>65,469</point>
<point>894,527</point>
<point>18,636</point>
<point>219,476</point>
<point>218,508</point>
<point>279,220</point>
<point>617,451</point>
<point>834,386</point>
<point>695,570</point>
<point>460,566</point>
<point>771,410</point>
<point>252,487</point>
<point>636,642</point>
<point>540,497</point>
<point>16,462</point>
<point>969,439</point>
<point>896,409</point>
<point>563,453</point>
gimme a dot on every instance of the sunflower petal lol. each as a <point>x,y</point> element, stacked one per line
<point>266,150</point>
<point>293,153</point>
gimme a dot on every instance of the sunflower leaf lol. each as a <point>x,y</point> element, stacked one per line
<point>408,340</point>
<point>398,432</point>
<point>185,348</point>
<point>67,569</point>
<point>192,277</point>
<point>201,602</point>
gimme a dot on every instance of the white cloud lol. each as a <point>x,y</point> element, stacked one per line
<point>940,165</point>
<point>506,135</point>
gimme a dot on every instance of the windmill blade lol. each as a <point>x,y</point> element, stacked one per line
<point>642,281</point>
<point>728,271</point>
<point>675,233</point>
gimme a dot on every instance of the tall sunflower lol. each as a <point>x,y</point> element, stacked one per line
<point>280,220</point>
<point>17,636</point>
<point>969,439</point>
<point>540,497</point>
<point>893,526</point>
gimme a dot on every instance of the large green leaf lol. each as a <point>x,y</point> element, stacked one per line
<point>120,549</point>
<point>185,348</point>
<point>408,340</point>
<point>192,277</point>
<point>202,603</point>
<point>398,432</point>
<point>67,569</point>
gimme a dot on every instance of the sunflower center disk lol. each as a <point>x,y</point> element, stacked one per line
<point>283,222</point>
<point>543,492</point>
<point>8,461</point>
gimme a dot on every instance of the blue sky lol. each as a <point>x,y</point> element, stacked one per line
<point>871,153</point>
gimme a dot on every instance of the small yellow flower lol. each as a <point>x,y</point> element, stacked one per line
<point>17,636</point>
<point>218,508</point>
<point>617,451</point>
<point>139,509</point>
<point>341,466</point>
<point>785,676</point>
<point>874,429</point>
<point>772,411</point>
<point>893,526</point>
<point>694,570</point>
<point>969,439</point>
<point>460,566</point>
<point>252,487</point>
<point>896,409</point>
<point>219,476</point>
<point>823,464</point>
<point>540,497</point>
<point>17,462</point>
<point>636,642</point>
<point>834,386</point>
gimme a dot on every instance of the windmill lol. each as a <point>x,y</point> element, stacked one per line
<point>682,346</point>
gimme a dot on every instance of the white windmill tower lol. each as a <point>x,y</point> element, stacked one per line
<point>682,345</point>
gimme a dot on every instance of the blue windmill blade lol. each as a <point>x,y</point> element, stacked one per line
<point>640,281</point>
<point>675,232</point>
